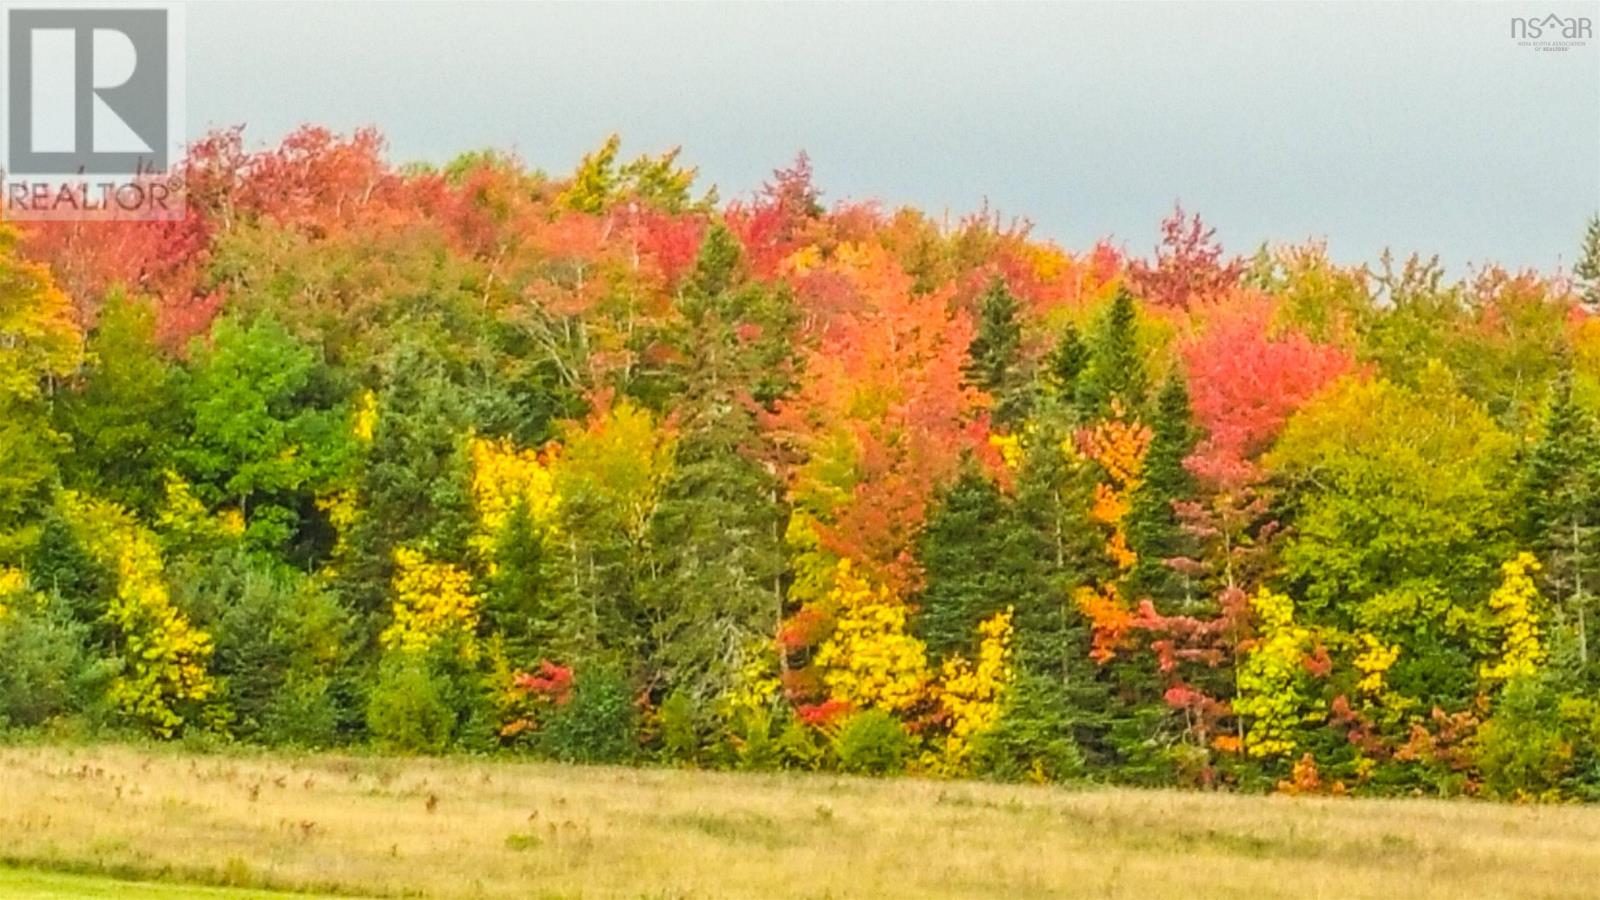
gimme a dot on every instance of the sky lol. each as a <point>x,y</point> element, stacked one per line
<point>1411,126</point>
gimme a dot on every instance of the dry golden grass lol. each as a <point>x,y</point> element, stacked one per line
<point>464,828</point>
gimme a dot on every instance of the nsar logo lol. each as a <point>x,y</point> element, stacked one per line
<point>1552,32</point>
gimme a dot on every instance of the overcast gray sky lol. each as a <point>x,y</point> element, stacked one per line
<point>1416,126</point>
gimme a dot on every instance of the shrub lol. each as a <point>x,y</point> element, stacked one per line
<point>872,743</point>
<point>303,713</point>
<point>45,669</point>
<point>520,701</point>
<point>278,637</point>
<point>595,726</point>
<point>1540,743</point>
<point>680,732</point>
<point>750,741</point>
<point>407,711</point>
<point>798,747</point>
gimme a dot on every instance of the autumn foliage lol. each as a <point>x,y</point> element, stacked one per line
<point>604,467</point>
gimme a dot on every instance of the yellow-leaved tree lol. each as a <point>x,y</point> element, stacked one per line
<point>434,602</point>
<point>1272,698</point>
<point>871,660</point>
<point>508,481</point>
<point>12,583</point>
<point>39,344</point>
<point>164,678</point>
<point>970,693</point>
<point>1516,615</point>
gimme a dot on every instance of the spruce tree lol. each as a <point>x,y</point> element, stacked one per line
<point>1066,362</point>
<point>1115,371</point>
<point>716,263</point>
<point>1154,532</point>
<point>517,600</point>
<point>412,482</point>
<point>717,552</point>
<point>717,563</point>
<point>1561,496</point>
<point>995,361</point>
<point>62,569</point>
<point>1053,497</point>
<point>977,558</point>
<point>1588,267</point>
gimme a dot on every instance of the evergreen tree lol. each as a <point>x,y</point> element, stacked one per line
<point>1588,267</point>
<point>717,567</point>
<point>411,485</point>
<point>1115,370</point>
<point>517,604</point>
<point>63,570</point>
<point>276,639</point>
<point>978,557</point>
<point>1561,500</point>
<point>995,361</point>
<point>716,264</point>
<point>1053,497</point>
<point>1154,532</point>
<point>1066,362</point>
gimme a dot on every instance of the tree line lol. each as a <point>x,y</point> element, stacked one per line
<point>599,468</point>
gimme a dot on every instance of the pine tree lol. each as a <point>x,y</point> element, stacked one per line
<point>1154,532</point>
<point>995,361</point>
<point>1561,496</point>
<point>1115,370</point>
<point>1588,267</point>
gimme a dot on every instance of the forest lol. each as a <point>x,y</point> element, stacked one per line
<point>600,467</point>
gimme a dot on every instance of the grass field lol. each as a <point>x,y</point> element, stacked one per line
<point>29,884</point>
<point>74,819</point>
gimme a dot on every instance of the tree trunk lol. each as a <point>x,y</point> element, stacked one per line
<point>1578,599</point>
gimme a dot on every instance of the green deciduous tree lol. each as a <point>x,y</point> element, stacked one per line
<point>267,428</point>
<point>1400,521</point>
<point>126,418</point>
